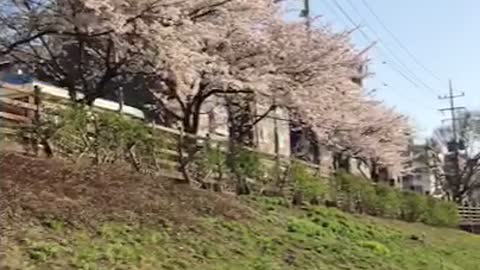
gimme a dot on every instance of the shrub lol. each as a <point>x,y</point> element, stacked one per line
<point>354,194</point>
<point>210,165</point>
<point>245,163</point>
<point>441,213</point>
<point>413,207</point>
<point>118,137</point>
<point>78,132</point>
<point>311,186</point>
<point>388,202</point>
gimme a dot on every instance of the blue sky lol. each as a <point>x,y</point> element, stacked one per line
<point>443,35</point>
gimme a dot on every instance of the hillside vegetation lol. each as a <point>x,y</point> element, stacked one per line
<point>58,216</point>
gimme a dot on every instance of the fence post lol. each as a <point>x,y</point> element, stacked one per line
<point>121,100</point>
<point>36,134</point>
<point>38,102</point>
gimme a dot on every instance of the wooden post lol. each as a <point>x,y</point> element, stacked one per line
<point>35,120</point>
<point>121,100</point>
<point>38,103</point>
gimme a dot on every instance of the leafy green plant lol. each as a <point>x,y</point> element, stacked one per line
<point>355,194</point>
<point>77,132</point>
<point>414,207</point>
<point>42,251</point>
<point>388,201</point>
<point>245,162</point>
<point>441,213</point>
<point>376,247</point>
<point>119,137</point>
<point>211,164</point>
<point>307,183</point>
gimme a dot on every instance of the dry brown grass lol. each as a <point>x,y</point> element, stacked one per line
<point>32,190</point>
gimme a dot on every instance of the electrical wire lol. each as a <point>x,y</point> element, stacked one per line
<point>411,77</point>
<point>401,63</point>
<point>399,42</point>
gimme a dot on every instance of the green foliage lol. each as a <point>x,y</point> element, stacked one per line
<point>282,238</point>
<point>263,263</point>
<point>244,163</point>
<point>376,247</point>
<point>77,132</point>
<point>389,202</point>
<point>413,206</point>
<point>303,226</point>
<point>441,213</point>
<point>306,182</point>
<point>355,194</point>
<point>118,136</point>
<point>212,160</point>
<point>232,168</point>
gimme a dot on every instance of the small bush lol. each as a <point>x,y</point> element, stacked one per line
<point>213,158</point>
<point>388,201</point>
<point>78,132</point>
<point>355,194</point>
<point>413,207</point>
<point>441,213</point>
<point>376,247</point>
<point>303,227</point>
<point>245,163</point>
<point>307,183</point>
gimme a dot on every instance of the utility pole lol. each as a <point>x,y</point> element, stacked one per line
<point>454,143</point>
<point>306,14</point>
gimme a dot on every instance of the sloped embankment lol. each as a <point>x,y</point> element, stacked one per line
<point>58,216</point>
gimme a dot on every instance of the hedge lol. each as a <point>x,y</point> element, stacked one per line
<point>359,195</point>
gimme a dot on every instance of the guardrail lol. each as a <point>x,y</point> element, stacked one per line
<point>469,216</point>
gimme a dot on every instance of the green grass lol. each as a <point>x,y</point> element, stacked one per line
<point>278,237</point>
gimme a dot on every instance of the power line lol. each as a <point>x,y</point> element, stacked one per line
<point>368,39</point>
<point>455,142</point>
<point>391,52</point>
<point>410,99</point>
<point>401,63</point>
<point>334,12</point>
<point>399,43</point>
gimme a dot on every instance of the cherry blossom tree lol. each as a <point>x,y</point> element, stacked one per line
<point>65,43</point>
<point>187,53</point>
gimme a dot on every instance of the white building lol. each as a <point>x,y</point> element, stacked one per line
<point>426,168</point>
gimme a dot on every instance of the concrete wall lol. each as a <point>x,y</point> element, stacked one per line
<point>214,122</point>
<point>360,168</point>
<point>265,131</point>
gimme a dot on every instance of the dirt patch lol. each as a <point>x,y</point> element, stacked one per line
<point>32,190</point>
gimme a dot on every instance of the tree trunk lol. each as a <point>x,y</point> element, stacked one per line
<point>298,197</point>
<point>242,186</point>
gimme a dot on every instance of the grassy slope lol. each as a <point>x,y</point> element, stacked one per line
<point>269,236</point>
